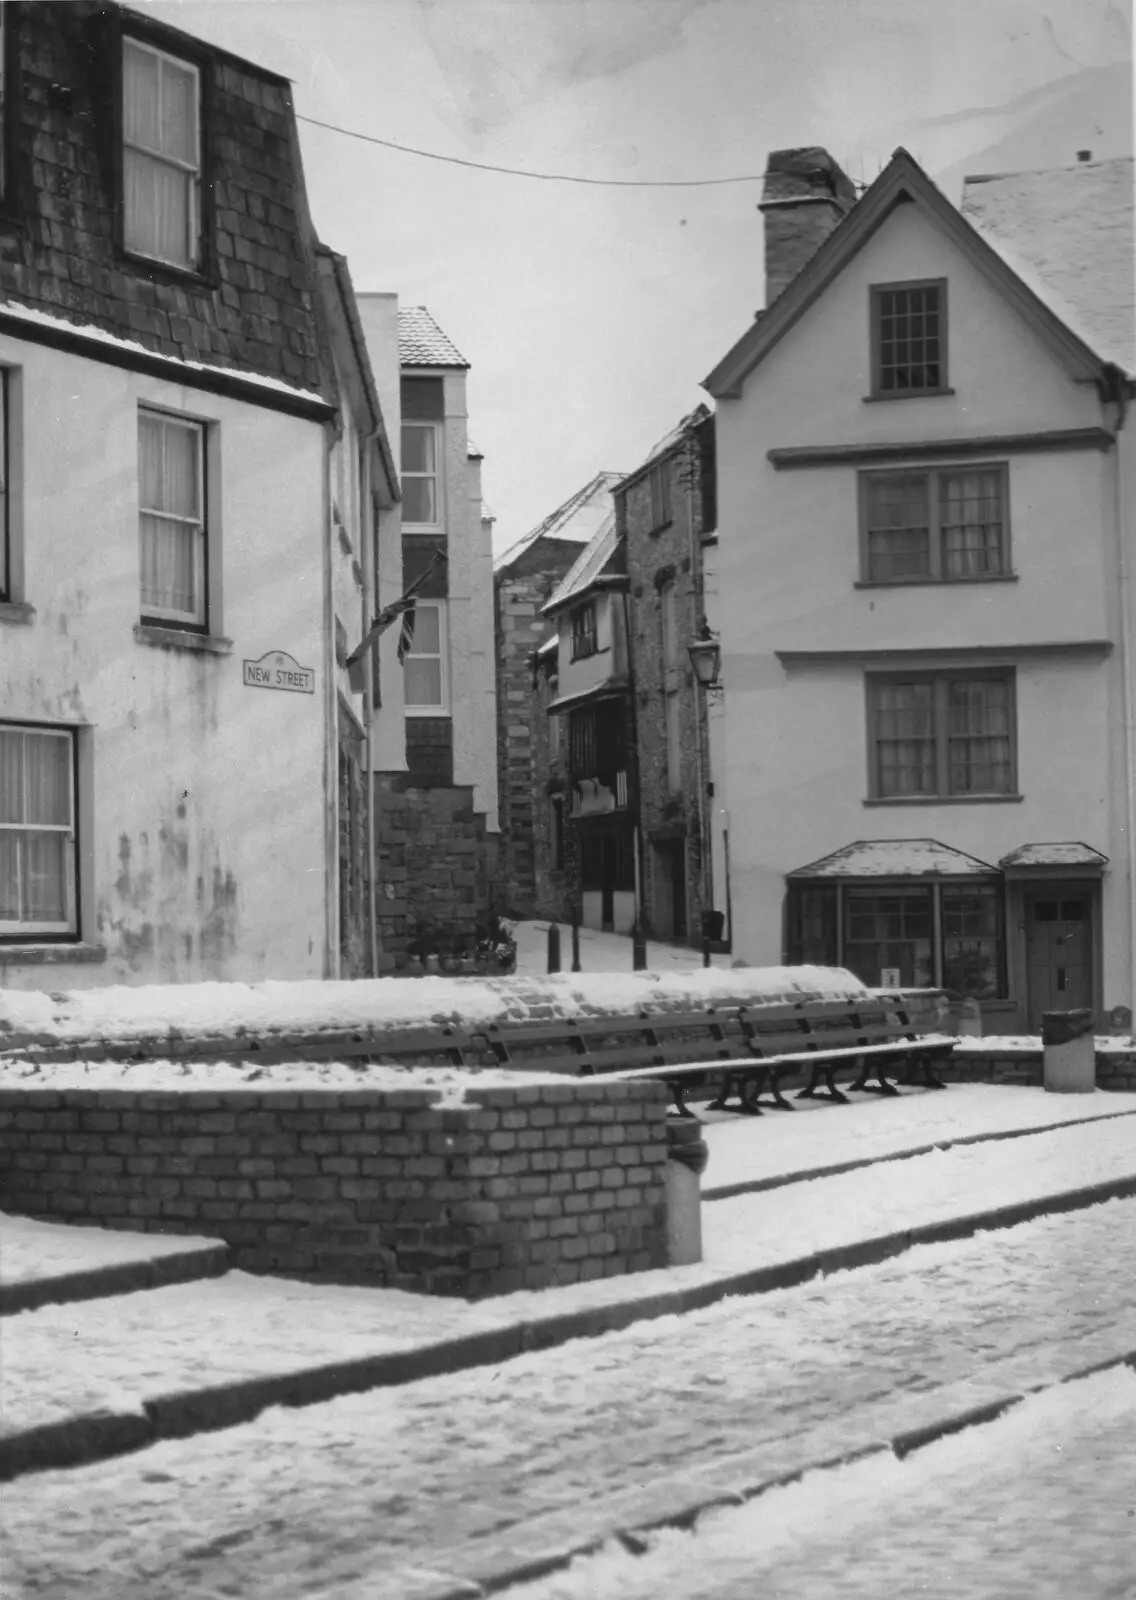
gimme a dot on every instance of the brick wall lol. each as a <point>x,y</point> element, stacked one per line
<point>1115,1070</point>
<point>520,1188</point>
<point>251,306</point>
<point>436,865</point>
<point>671,820</point>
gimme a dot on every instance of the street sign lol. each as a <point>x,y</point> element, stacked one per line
<point>276,669</point>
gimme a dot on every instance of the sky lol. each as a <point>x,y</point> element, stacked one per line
<point>590,314</point>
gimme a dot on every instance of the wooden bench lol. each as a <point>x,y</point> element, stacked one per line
<point>867,1039</point>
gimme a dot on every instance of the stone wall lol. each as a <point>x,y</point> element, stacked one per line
<point>522,734</point>
<point>1115,1069</point>
<point>517,1188</point>
<point>436,865</point>
<point>673,821</point>
<point>250,306</point>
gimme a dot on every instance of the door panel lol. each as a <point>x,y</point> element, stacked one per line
<point>1059,954</point>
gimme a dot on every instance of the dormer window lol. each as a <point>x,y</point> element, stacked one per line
<point>909,339</point>
<point>584,641</point>
<point>161,157</point>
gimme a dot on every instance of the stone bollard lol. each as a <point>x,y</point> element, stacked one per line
<point>687,1154</point>
<point>1068,1053</point>
<point>969,1019</point>
<point>553,947</point>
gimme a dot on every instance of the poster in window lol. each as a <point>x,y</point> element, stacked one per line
<point>890,978</point>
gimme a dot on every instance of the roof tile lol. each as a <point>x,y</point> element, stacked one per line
<point>421,343</point>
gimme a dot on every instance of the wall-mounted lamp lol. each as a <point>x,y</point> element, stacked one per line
<point>706,656</point>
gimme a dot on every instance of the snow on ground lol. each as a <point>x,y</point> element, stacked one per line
<point>183,1336</point>
<point>38,1250</point>
<point>819,1135</point>
<point>225,1008</point>
<point>602,952</point>
<point>1037,1503</point>
<point>336,1498</point>
<point>449,1086</point>
<point>1024,1044</point>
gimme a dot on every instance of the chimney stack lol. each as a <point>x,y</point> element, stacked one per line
<point>804,196</point>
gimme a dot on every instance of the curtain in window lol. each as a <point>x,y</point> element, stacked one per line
<point>170,515</point>
<point>35,826</point>
<point>970,517</point>
<point>980,756</point>
<point>160,156</point>
<point>905,738</point>
<point>899,528</point>
<point>972,940</point>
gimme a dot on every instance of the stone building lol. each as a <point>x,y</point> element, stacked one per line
<point>524,578</point>
<point>182,410</point>
<point>435,763</point>
<point>665,512</point>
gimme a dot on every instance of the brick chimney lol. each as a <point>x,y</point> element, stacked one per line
<point>804,196</point>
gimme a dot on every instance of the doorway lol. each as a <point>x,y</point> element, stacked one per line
<point>1059,949</point>
<point>669,874</point>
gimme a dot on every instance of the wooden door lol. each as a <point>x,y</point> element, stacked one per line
<point>1059,949</point>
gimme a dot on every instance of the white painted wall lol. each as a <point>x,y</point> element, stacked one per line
<point>204,833</point>
<point>609,660</point>
<point>795,741</point>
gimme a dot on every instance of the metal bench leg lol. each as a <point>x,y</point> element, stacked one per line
<point>779,1099</point>
<point>862,1081</point>
<point>930,1076</point>
<point>810,1091</point>
<point>749,1088</point>
<point>881,1085</point>
<point>834,1094</point>
<point>678,1095</point>
<point>719,1103</point>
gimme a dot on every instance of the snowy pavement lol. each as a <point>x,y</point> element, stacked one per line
<point>118,1354</point>
<point>1039,1503</point>
<point>819,1136</point>
<point>367,1495</point>
<point>601,952</point>
<point>32,1251</point>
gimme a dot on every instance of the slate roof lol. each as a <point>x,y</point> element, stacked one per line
<point>894,858</point>
<point>1068,233</point>
<point>1068,853</point>
<point>576,521</point>
<point>421,343</point>
<point>587,567</point>
<point>669,440</point>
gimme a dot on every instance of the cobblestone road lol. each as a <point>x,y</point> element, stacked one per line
<point>1040,1504</point>
<point>326,1499</point>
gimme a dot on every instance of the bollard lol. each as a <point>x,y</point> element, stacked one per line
<point>553,947</point>
<point>1068,1052</point>
<point>969,1019</point>
<point>687,1155</point>
<point>705,952</point>
<point>638,948</point>
<point>575,941</point>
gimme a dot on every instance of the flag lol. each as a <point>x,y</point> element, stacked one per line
<point>406,633</point>
<point>401,607</point>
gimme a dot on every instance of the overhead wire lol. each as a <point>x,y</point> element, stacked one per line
<point>544,177</point>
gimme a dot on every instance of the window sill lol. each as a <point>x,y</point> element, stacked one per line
<point>14,955</point>
<point>17,612</point>
<point>947,800</point>
<point>175,271</point>
<point>426,711</point>
<point>906,394</point>
<point>181,639</point>
<point>934,583</point>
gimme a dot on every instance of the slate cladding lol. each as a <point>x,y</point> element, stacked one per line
<point>251,306</point>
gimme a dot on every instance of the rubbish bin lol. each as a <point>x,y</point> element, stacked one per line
<point>688,1154</point>
<point>1068,1054</point>
<point>713,924</point>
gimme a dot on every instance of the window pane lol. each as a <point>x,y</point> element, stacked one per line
<point>418,503</point>
<point>169,565</point>
<point>972,940</point>
<point>427,630</point>
<point>157,209</point>
<point>423,685</point>
<point>980,754</point>
<point>179,112</point>
<point>889,930</point>
<point>970,517</point>
<point>909,348</point>
<point>45,884</point>
<point>905,738</point>
<point>180,476</point>
<point>11,775</point>
<point>35,778</point>
<point>899,537</point>
<point>417,449</point>
<point>140,114</point>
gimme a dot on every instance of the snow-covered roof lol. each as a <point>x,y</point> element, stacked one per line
<point>669,440</point>
<point>895,858</point>
<point>421,343</point>
<point>586,568</point>
<point>1069,853</point>
<point>1068,234</point>
<point>576,521</point>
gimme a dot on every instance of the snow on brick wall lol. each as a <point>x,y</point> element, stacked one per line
<point>513,1188</point>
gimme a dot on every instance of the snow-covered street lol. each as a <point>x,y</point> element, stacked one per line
<point>366,1494</point>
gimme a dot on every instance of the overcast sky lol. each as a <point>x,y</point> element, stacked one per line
<point>589,314</point>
